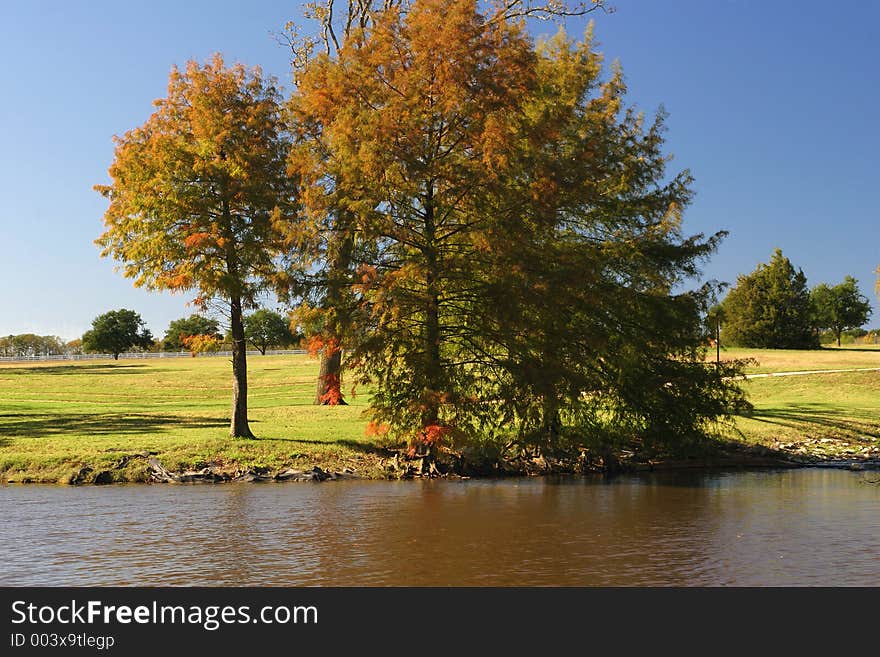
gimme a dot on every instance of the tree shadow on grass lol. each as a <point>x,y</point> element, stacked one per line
<point>40,425</point>
<point>796,416</point>
<point>98,368</point>
<point>844,349</point>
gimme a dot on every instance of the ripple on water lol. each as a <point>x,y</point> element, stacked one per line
<point>800,527</point>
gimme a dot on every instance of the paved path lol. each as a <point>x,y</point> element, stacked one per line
<point>803,372</point>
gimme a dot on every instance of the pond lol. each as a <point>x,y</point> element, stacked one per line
<point>791,527</point>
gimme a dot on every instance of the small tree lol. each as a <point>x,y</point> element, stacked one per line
<point>771,308</point>
<point>115,332</point>
<point>188,326</point>
<point>841,307</point>
<point>197,193</point>
<point>265,328</point>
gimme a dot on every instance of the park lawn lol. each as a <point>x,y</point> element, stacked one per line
<point>790,360</point>
<point>834,415</point>
<point>57,417</point>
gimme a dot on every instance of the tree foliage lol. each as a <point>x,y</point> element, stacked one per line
<point>201,343</point>
<point>185,326</point>
<point>515,244</point>
<point>265,328</point>
<point>840,307</point>
<point>28,345</point>
<point>197,192</point>
<point>116,331</point>
<point>770,308</point>
<point>321,270</point>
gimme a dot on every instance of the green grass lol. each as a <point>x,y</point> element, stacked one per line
<point>57,417</point>
<point>834,415</point>
<point>826,415</point>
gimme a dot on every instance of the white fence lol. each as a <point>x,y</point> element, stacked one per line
<point>143,355</point>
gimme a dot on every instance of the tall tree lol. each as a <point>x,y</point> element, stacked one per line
<point>840,307</point>
<point>407,119</point>
<point>321,271</point>
<point>504,201</point>
<point>770,308</point>
<point>585,333</point>
<point>115,332</point>
<point>197,193</point>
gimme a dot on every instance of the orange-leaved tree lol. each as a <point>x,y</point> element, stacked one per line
<point>412,121</point>
<point>197,193</point>
<point>324,250</point>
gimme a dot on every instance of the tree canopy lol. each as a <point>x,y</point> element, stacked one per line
<point>197,192</point>
<point>185,327</point>
<point>770,308</point>
<point>265,328</point>
<point>840,307</point>
<point>516,240</point>
<point>116,331</point>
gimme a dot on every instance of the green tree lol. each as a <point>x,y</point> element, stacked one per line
<point>518,245</point>
<point>197,193</point>
<point>265,328</point>
<point>841,307</point>
<point>771,308</point>
<point>115,332</point>
<point>186,326</point>
<point>322,269</point>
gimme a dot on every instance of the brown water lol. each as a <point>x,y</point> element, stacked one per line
<point>801,527</point>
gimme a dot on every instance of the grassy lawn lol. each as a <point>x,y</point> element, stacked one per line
<point>57,417</point>
<point>788,360</point>
<point>834,415</point>
<point>825,415</point>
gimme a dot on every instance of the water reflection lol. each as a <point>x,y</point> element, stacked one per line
<point>803,527</point>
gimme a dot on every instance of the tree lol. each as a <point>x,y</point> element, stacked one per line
<point>770,308</point>
<point>186,326</point>
<point>198,344</point>
<point>197,193</point>
<point>265,328</point>
<point>841,307</point>
<point>322,270</point>
<point>515,248</point>
<point>115,332</point>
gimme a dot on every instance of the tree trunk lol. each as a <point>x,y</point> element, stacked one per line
<point>329,392</point>
<point>238,427</point>
<point>433,365</point>
<point>115,356</point>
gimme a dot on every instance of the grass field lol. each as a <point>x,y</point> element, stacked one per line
<point>56,418</point>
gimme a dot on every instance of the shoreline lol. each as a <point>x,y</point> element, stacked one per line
<point>147,469</point>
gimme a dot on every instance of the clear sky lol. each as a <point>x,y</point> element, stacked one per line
<point>772,106</point>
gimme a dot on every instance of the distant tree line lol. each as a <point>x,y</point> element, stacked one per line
<point>773,307</point>
<point>28,345</point>
<point>117,331</point>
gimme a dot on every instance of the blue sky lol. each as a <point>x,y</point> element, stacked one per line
<point>772,105</point>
